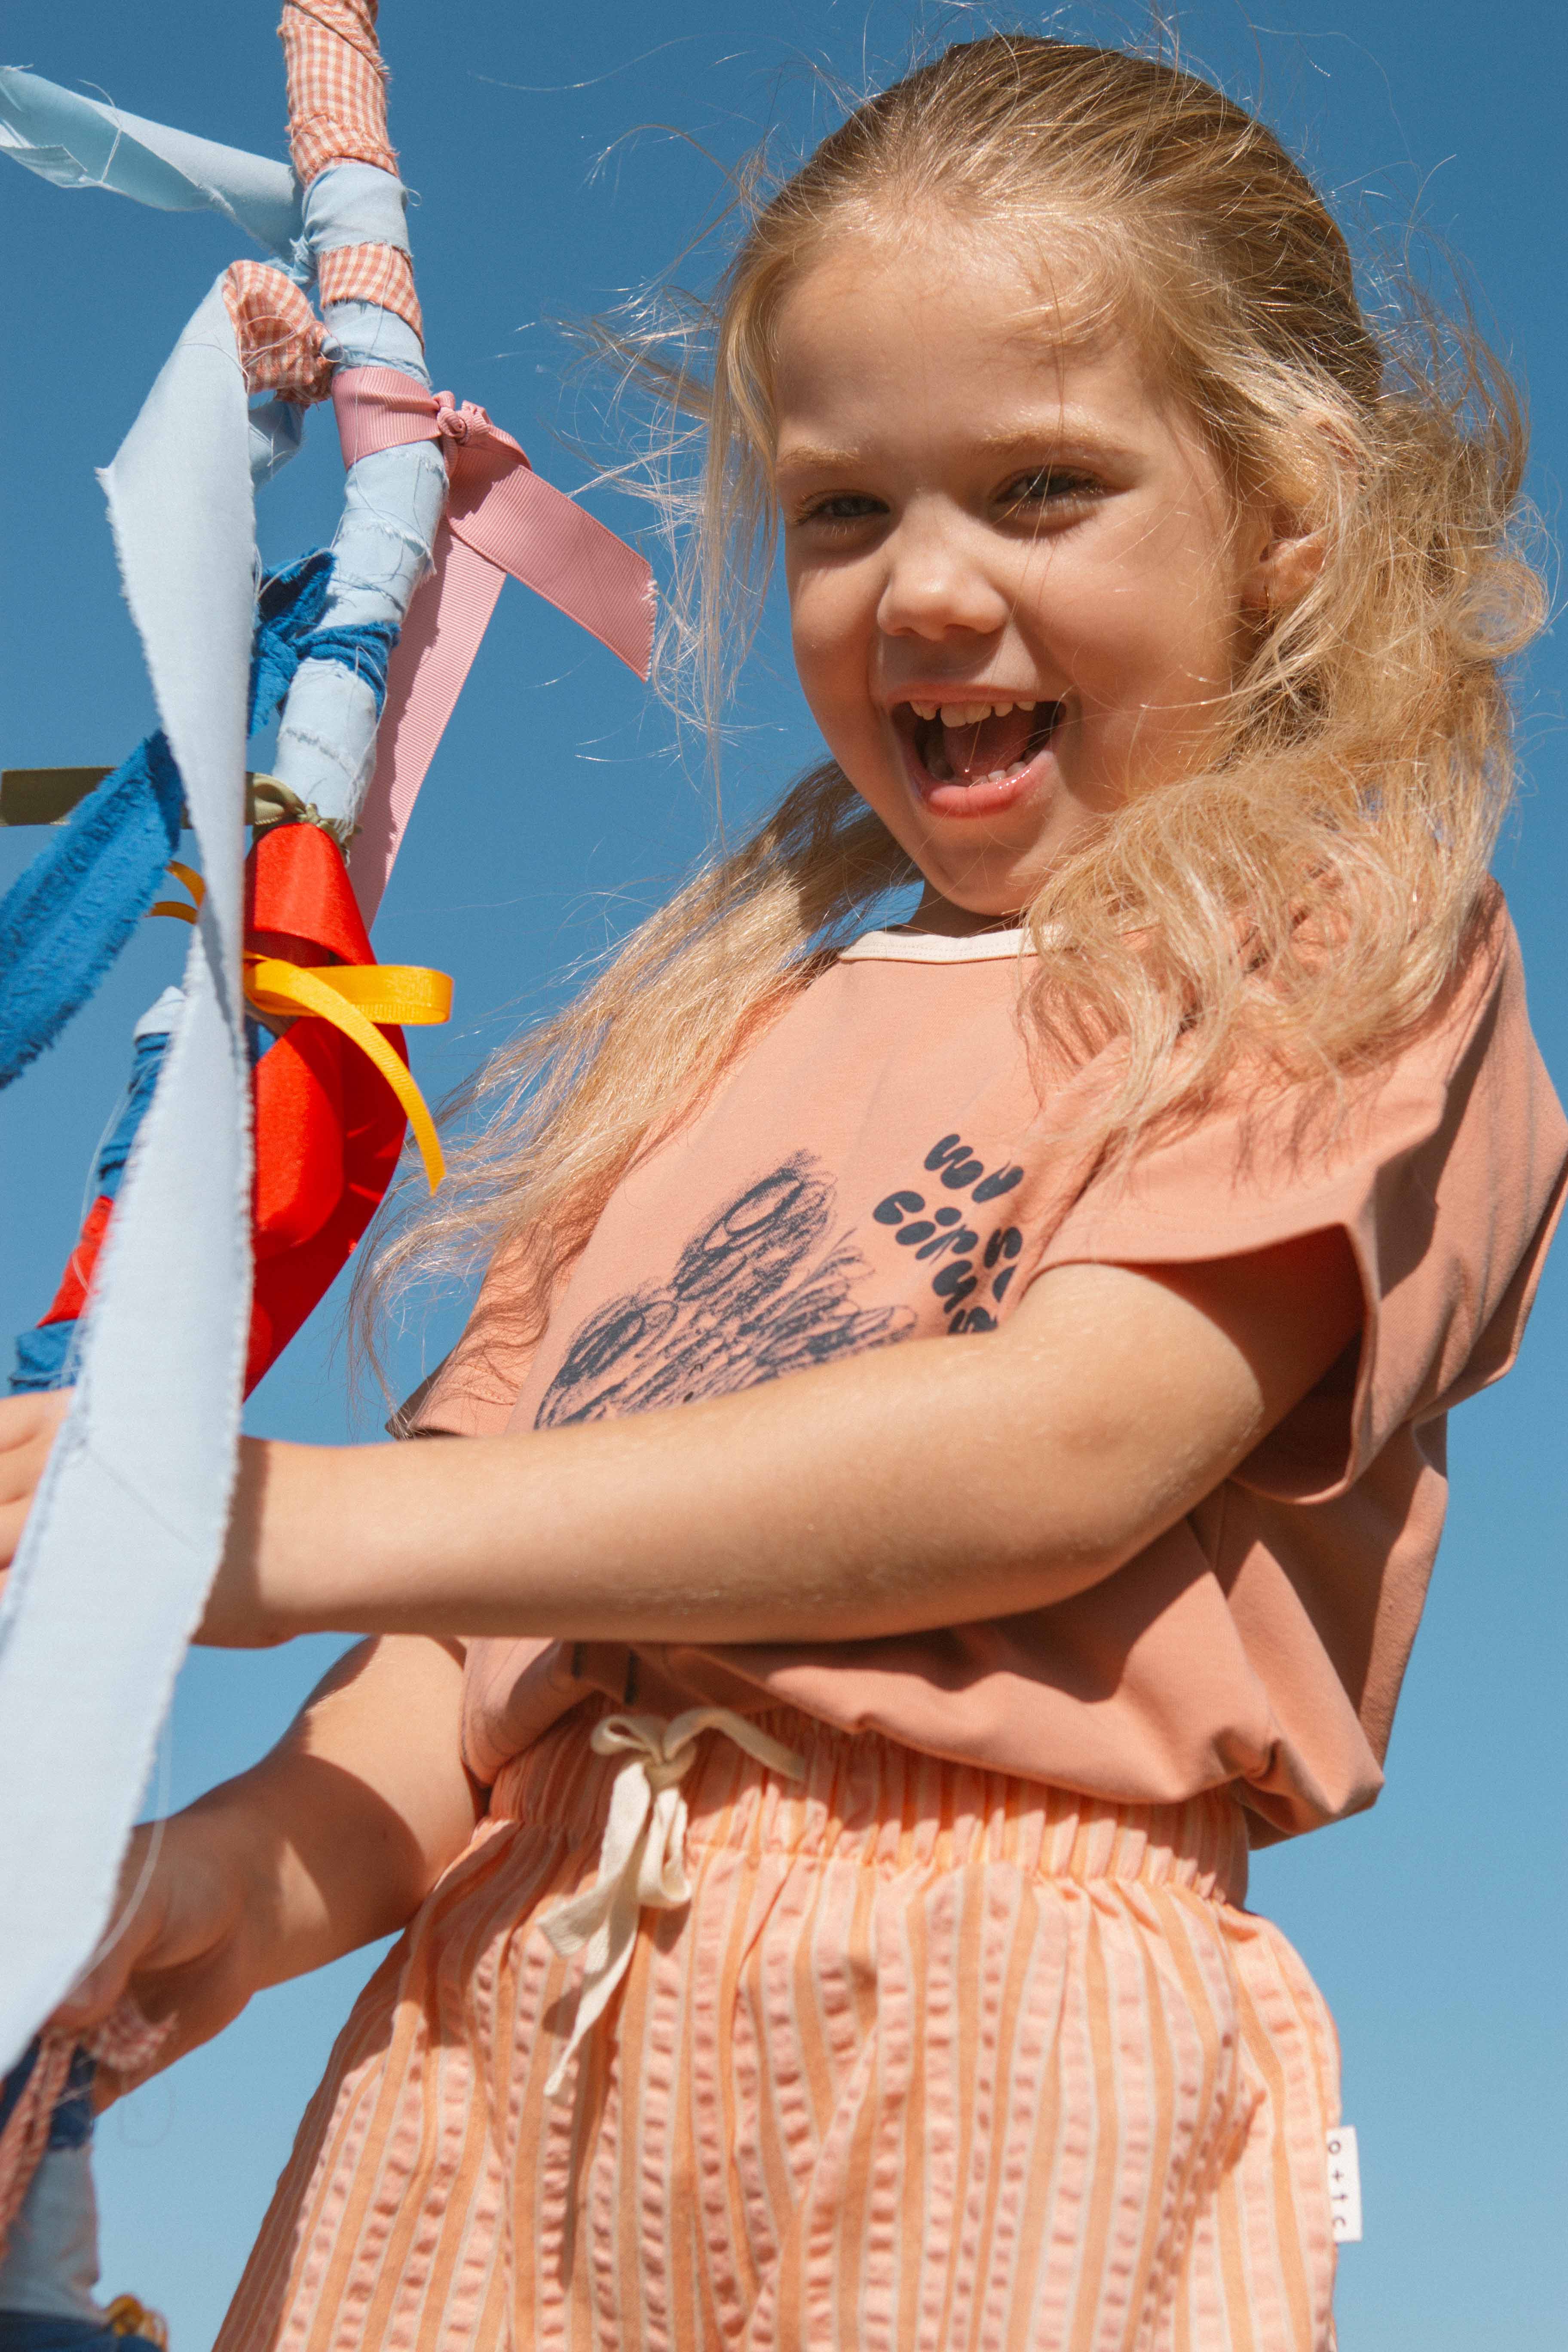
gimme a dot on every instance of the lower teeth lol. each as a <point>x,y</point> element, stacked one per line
<point>939,767</point>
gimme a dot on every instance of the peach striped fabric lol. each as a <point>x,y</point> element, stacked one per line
<point>935,2060</point>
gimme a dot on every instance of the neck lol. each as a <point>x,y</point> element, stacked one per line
<point>940,915</point>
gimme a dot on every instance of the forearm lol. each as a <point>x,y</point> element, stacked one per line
<point>591,1532</point>
<point>340,1832</point>
<point>933,1483</point>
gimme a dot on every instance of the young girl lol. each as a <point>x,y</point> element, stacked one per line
<point>951,1441</point>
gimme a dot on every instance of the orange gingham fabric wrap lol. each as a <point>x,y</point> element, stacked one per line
<point>382,274</point>
<point>935,2060</point>
<point>278,334</point>
<point>337,114</point>
<point>337,86</point>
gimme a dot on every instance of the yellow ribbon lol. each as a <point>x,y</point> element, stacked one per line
<point>354,998</point>
<point>194,884</point>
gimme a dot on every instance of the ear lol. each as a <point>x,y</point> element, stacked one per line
<point>1284,552</point>
<point>1286,559</point>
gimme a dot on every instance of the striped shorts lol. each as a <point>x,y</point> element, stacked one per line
<point>933,2060</point>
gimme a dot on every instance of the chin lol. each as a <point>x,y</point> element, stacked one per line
<point>1003,899</point>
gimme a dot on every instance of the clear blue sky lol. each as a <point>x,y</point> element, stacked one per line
<point>561,805</point>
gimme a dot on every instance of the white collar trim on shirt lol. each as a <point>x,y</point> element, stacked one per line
<point>934,947</point>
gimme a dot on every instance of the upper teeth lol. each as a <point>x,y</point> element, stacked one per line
<point>968,714</point>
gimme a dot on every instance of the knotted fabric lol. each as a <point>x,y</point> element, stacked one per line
<point>279,336</point>
<point>337,114</point>
<point>501,518</point>
<point>328,1127</point>
<point>642,1862</point>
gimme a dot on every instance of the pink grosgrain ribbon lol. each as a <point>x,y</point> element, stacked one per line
<point>499,519</point>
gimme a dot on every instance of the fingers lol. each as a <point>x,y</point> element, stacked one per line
<point>94,1995</point>
<point>136,1924</point>
<point>23,1417</point>
<point>28,1429</point>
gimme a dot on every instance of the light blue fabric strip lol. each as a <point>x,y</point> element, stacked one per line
<point>362,335</point>
<point>50,2263</point>
<point>393,503</point>
<point>355,204</point>
<point>161,1015</point>
<point>326,740</point>
<point>276,433</point>
<point>123,1542</point>
<point>80,142</point>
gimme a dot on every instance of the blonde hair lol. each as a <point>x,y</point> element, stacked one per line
<point>1303,903</point>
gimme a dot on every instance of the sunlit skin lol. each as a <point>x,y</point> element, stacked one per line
<point>973,509</point>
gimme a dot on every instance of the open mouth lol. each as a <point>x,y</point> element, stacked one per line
<point>972,744</point>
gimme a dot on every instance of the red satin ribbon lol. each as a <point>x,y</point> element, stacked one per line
<point>327,1128</point>
<point>501,518</point>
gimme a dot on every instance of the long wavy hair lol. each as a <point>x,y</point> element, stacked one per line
<point>1302,903</point>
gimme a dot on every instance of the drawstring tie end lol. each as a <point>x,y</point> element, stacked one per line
<point>642,1861</point>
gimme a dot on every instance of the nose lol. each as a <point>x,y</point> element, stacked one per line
<point>937,584</point>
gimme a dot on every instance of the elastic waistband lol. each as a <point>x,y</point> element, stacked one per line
<point>868,1800</point>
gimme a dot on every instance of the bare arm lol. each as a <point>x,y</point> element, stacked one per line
<point>354,1814</point>
<point>936,1483</point>
<point>331,1841</point>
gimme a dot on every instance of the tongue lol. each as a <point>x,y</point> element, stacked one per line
<point>973,751</point>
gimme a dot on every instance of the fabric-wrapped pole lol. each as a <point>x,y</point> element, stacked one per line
<point>354,228</point>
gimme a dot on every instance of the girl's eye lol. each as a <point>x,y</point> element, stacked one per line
<point>842,506</point>
<point>1051,486</point>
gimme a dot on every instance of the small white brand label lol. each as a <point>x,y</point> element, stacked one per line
<point>1344,2186</point>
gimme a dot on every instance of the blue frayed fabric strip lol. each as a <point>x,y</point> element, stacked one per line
<point>65,919</point>
<point>289,606</point>
<point>42,1358</point>
<point>288,614</point>
<point>37,2331</point>
<point>44,1354</point>
<point>63,922</point>
<point>366,650</point>
<point>71,2125</point>
<point>147,1060</point>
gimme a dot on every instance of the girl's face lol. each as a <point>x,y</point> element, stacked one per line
<point>1016,581</point>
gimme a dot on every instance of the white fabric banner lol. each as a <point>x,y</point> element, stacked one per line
<point>124,1539</point>
<point>80,142</point>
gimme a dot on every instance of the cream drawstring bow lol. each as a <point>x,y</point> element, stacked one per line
<point>642,1862</point>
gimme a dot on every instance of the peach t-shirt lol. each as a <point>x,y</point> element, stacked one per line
<point>879,1167</point>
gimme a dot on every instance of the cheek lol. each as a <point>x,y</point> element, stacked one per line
<point>823,635</point>
<point>1154,626</point>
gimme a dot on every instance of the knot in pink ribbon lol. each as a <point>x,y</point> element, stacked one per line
<point>500,519</point>
<point>455,420</point>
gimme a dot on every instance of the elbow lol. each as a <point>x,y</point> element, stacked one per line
<point>1090,1499</point>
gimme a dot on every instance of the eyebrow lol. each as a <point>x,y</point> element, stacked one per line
<point>1063,433</point>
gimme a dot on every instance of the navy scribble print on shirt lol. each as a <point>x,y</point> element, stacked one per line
<point>760,1292</point>
<point>943,1231</point>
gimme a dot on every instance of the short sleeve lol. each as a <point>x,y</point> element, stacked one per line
<point>472,1392</point>
<point>1445,1171</point>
